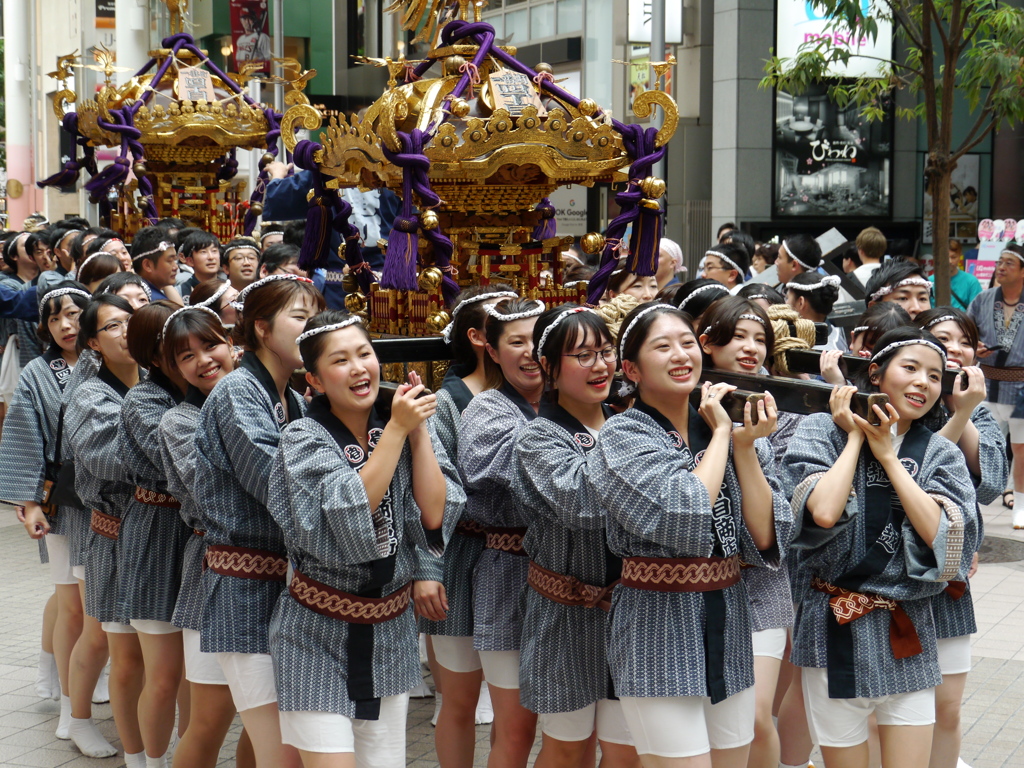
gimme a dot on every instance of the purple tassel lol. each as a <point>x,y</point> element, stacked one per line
<point>547,226</point>
<point>229,168</point>
<point>317,238</point>
<point>66,175</point>
<point>400,261</point>
<point>645,242</point>
<point>115,173</point>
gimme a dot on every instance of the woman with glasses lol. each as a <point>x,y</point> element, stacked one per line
<point>103,485</point>
<point>563,670</point>
<point>728,263</point>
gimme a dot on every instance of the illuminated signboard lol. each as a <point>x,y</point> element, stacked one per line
<point>799,22</point>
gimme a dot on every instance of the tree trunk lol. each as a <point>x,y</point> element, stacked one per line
<point>941,178</point>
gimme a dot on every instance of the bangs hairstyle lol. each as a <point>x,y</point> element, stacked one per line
<point>144,332</point>
<point>10,253</point>
<point>148,238</point>
<point>622,278</point>
<point>493,328</point>
<point>905,333</point>
<point>578,329</point>
<point>78,245</point>
<point>35,239</point>
<point>88,322</point>
<point>471,316</point>
<point>764,291</point>
<point>705,292</point>
<point>117,281</point>
<point>735,253</point>
<point>183,327</point>
<point>278,256</point>
<point>963,321</point>
<point>312,349</point>
<point>822,296</point>
<point>805,249</point>
<point>205,290</point>
<point>53,307</point>
<point>101,264</point>
<point>879,319</point>
<point>266,302</point>
<point>234,245</point>
<point>197,240</point>
<point>639,331</point>
<point>890,273</point>
<point>723,317</point>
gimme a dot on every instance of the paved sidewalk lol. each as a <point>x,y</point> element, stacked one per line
<point>993,713</point>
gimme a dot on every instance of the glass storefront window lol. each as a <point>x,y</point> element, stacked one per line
<point>570,16</point>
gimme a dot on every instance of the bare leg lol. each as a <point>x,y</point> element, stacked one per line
<point>164,659</point>
<point>874,745</point>
<point>455,735</point>
<point>244,755</point>
<point>907,746</point>
<point>555,753</point>
<point>325,760</point>
<point>947,736</point>
<point>49,622</point>
<point>86,663</point>
<point>126,679</point>
<point>730,758</point>
<point>184,705</point>
<point>697,761</point>
<point>764,751</point>
<point>48,684</point>
<point>66,632</point>
<point>785,678</point>
<point>264,727</point>
<point>618,756</point>
<point>513,731</point>
<point>794,736</point>
<point>214,711</point>
<point>846,757</point>
<point>435,668</point>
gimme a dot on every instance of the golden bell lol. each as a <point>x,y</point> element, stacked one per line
<point>452,64</point>
<point>652,186</point>
<point>349,284</point>
<point>355,302</point>
<point>429,220</point>
<point>544,68</point>
<point>140,170</point>
<point>342,247</point>
<point>438,321</point>
<point>256,209</point>
<point>266,160</point>
<point>588,107</point>
<point>650,204</point>
<point>460,107</point>
<point>430,278</point>
<point>592,242</point>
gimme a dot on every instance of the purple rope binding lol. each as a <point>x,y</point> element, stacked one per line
<point>547,226</point>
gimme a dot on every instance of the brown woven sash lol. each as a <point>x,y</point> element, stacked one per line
<point>471,528</point>
<point>568,590</point>
<point>245,563</point>
<point>680,574</point>
<point>156,498</point>
<point>993,373</point>
<point>848,606</point>
<point>956,589</point>
<point>335,604</point>
<point>105,525</point>
<point>506,540</point>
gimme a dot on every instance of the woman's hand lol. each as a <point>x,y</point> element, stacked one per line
<point>408,412</point>
<point>767,420</point>
<point>430,599</point>
<point>839,403</point>
<point>880,438</point>
<point>711,409</point>
<point>35,520</point>
<point>974,566</point>
<point>828,363</point>
<point>966,400</point>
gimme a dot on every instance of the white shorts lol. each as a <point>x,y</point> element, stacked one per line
<point>78,571</point>
<point>770,642</point>
<point>955,655</point>
<point>501,668</point>
<point>377,743</point>
<point>606,715</point>
<point>686,726</point>
<point>1003,414</point>
<point>250,677</point>
<point>117,628</point>
<point>844,722</point>
<point>203,668</point>
<point>456,654</point>
<point>60,559</point>
<point>150,627</point>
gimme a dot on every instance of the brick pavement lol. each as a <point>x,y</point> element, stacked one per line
<point>993,713</point>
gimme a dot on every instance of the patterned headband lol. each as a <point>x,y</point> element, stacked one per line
<point>178,311</point>
<point>448,329</point>
<point>492,312</point>
<point>885,290</point>
<point>832,280</point>
<point>724,258</point>
<point>1012,253</point>
<point>162,246</point>
<point>89,258</point>
<point>709,286</point>
<point>941,319</point>
<point>558,318</point>
<point>794,257</point>
<point>744,316</point>
<point>58,292</point>
<point>240,298</point>
<point>860,329</point>
<point>213,299</point>
<point>629,328</point>
<point>888,349</point>
<point>268,233</point>
<point>350,320</point>
<point>245,247</point>
<point>756,296</point>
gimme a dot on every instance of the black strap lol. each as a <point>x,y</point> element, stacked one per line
<point>852,286</point>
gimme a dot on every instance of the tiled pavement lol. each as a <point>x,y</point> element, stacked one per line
<point>993,713</point>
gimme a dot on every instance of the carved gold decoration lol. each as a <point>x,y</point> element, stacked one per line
<point>653,187</point>
<point>643,107</point>
<point>300,115</point>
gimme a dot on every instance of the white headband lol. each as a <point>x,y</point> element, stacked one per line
<point>492,312</point>
<point>57,293</point>
<point>744,316</point>
<point>89,258</point>
<point>703,288</point>
<point>827,280</point>
<point>163,246</point>
<point>646,311</point>
<point>724,258</point>
<point>860,329</point>
<point>794,257</point>
<point>175,313</point>
<point>885,290</point>
<point>245,247</point>
<point>240,298</point>
<point>213,299</point>
<point>1012,253</point>
<point>572,283</point>
<point>447,332</point>
<point>558,318</point>
<point>941,319</point>
<point>888,348</point>
<point>350,320</point>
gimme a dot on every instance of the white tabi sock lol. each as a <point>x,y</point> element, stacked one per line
<point>64,722</point>
<point>46,676</point>
<point>484,710</point>
<point>88,738</point>
<point>101,693</point>
<point>157,762</point>
<point>437,708</point>
<point>1018,509</point>
<point>136,760</point>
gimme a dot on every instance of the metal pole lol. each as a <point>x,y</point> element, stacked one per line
<point>279,51</point>
<point>658,54</point>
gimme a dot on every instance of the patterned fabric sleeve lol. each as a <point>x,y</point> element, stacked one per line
<point>488,437</point>
<point>991,456</point>
<point>433,544</point>
<point>138,434</point>
<point>645,485</point>
<point>91,432</point>
<point>23,448</point>
<point>781,513</point>
<point>446,424</point>
<point>554,477</point>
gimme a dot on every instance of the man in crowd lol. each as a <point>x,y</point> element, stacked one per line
<point>962,286</point>
<point>871,245</point>
<point>239,261</point>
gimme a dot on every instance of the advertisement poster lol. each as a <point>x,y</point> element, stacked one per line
<point>963,202</point>
<point>829,161</point>
<point>105,18</point>
<point>570,210</point>
<point>250,27</point>
<point>799,23</point>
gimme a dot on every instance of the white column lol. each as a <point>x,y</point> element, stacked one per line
<point>18,98</point>
<point>132,27</point>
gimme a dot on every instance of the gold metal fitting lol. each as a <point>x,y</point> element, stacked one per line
<point>652,186</point>
<point>460,107</point>
<point>588,107</point>
<point>592,242</point>
<point>650,204</point>
<point>430,279</point>
<point>355,302</point>
<point>429,220</point>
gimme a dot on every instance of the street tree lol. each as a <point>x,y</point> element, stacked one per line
<point>945,49</point>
